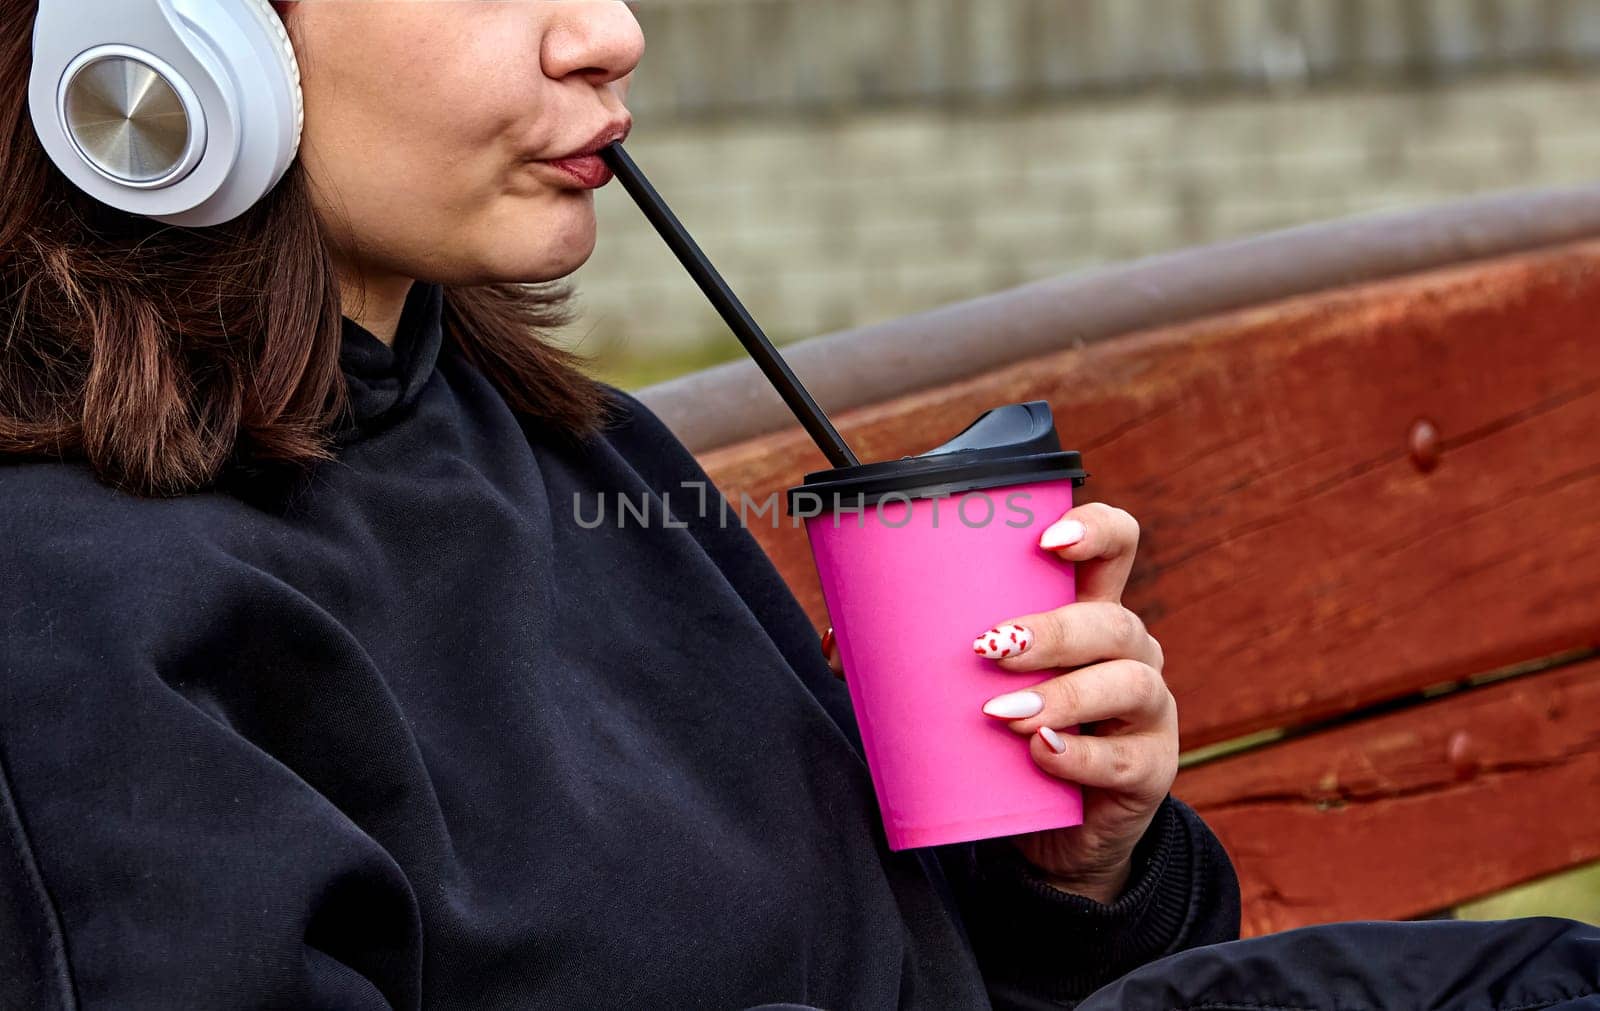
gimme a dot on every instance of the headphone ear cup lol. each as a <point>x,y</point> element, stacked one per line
<point>185,111</point>
<point>288,61</point>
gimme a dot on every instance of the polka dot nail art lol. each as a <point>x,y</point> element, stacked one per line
<point>1002,641</point>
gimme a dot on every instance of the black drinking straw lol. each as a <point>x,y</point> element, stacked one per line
<point>729,307</point>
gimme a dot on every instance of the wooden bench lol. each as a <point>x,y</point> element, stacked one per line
<point>1366,460</point>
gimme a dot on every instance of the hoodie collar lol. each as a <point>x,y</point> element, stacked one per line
<point>384,380</point>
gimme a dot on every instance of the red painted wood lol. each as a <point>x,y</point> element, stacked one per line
<point>1413,812</point>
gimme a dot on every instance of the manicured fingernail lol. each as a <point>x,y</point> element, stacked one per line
<point>1054,740</point>
<point>1015,705</point>
<point>830,652</point>
<point>1062,533</point>
<point>1002,641</point>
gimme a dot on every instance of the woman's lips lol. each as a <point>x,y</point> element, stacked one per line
<point>590,171</point>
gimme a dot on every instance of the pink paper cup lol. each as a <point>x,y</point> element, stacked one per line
<point>916,557</point>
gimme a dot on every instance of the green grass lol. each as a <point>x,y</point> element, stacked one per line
<point>1574,895</point>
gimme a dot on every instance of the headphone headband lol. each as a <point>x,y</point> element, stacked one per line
<point>185,111</point>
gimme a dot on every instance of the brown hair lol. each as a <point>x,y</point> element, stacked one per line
<point>168,357</point>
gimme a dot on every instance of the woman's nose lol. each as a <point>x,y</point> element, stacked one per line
<point>599,39</point>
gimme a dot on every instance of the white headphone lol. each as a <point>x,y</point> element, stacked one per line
<point>185,111</point>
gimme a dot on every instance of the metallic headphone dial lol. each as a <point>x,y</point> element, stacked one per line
<point>128,121</point>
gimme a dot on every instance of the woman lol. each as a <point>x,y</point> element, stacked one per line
<point>315,690</point>
<point>392,726</point>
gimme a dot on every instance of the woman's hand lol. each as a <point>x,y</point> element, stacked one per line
<point>1112,684</point>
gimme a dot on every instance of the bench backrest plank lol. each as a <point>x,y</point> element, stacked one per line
<point>1299,559</point>
<point>1413,812</point>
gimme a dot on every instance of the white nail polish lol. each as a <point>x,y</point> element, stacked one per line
<point>1054,740</point>
<point>1015,705</point>
<point>1002,641</point>
<point>1061,534</point>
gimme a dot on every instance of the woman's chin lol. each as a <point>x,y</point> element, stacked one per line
<point>531,246</point>
<point>539,265</point>
<point>561,249</point>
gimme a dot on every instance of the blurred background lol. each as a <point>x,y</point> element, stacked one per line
<point>849,161</point>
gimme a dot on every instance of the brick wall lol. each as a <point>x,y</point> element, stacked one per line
<point>711,58</point>
<point>849,199</point>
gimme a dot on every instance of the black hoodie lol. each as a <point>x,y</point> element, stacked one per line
<point>416,735</point>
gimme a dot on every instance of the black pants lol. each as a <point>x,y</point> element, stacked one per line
<point>1505,965</point>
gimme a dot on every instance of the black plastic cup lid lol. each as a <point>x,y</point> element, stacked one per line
<point>1014,444</point>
